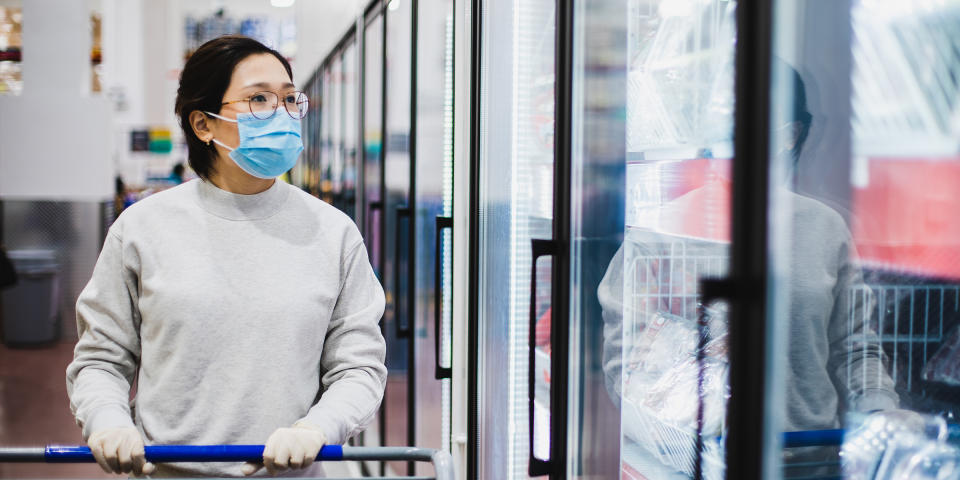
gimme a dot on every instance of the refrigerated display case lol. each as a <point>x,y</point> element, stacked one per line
<point>881,163</point>
<point>327,129</point>
<point>346,194</point>
<point>371,207</point>
<point>305,173</point>
<point>433,191</point>
<point>333,170</point>
<point>372,134</point>
<point>398,235</point>
<point>851,281</point>
<point>673,370</point>
<point>515,207</point>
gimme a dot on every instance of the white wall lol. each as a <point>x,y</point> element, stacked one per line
<point>60,141</point>
<point>55,137</point>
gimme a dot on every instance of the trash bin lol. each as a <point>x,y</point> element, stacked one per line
<point>31,313</point>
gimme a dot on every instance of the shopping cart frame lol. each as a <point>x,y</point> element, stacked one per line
<point>441,460</point>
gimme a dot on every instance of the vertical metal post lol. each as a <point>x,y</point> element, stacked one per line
<point>560,301</point>
<point>412,243</point>
<point>745,449</point>
<point>473,330</point>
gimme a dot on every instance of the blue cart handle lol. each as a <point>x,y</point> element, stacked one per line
<point>818,438</point>
<point>186,453</point>
<point>156,453</point>
<point>811,438</point>
<point>442,461</point>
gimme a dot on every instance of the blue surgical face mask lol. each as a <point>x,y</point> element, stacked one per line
<point>268,147</point>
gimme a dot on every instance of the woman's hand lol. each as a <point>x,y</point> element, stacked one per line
<point>295,447</point>
<point>120,450</point>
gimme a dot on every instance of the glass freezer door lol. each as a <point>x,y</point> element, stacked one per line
<point>332,179</point>
<point>864,239</point>
<point>371,223</point>
<point>397,265</point>
<point>516,164</point>
<point>434,223</point>
<point>652,124</point>
<point>348,175</point>
<point>326,133</point>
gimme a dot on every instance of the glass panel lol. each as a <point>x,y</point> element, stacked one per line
<point>311,172</point>
<point>663,351</point>
<point>434,198</point>
<point>597,226</point>
<point>336,131</point>
<point>372,138</point>
<point>397,260</point>
<point>299,173</point>
<point>865,251</point>
<point>371,210</point>
<point>516,206</point>
<point>326,135</point>
<point>348,79</point>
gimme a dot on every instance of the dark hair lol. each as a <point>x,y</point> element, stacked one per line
<point>204,80</point>
<point>794,94</point>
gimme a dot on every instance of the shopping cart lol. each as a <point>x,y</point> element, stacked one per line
<point>442,461</point>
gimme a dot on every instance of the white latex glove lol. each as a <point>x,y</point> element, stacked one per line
<point>295,447</point>
<point>120,450</point>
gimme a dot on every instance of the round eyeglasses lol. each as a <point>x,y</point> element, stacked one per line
<point>263,105</point>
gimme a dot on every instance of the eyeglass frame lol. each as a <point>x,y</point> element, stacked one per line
<point>276,106</point>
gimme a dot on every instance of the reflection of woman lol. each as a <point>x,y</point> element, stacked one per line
<point>834,361</point>
<point>245,310</point>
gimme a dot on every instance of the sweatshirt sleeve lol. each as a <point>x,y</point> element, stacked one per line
<point>856,357</point>
<point>353,354</point>
<point>108,350</point>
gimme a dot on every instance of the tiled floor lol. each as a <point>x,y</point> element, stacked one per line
<point>35,411</point>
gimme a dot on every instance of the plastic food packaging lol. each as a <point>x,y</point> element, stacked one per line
<point>899,445</point>
<point>665,374</point>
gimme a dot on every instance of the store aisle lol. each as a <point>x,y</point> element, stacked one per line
<point>35,411</point>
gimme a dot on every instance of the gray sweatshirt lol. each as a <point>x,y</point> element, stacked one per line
<point>834,362</point>
<point>235,315</point>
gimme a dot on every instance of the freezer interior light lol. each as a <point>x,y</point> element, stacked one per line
<point>282,3</point>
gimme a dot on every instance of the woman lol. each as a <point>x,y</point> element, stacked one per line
<point>245,309</point>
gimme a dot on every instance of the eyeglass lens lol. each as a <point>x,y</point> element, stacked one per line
<point>264,104</point>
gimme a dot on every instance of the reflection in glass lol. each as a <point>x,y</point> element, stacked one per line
<point>397,227</point>
<point>434,198</point>
<point>371,208</point>
<point>515,206</point>
<point>866,256</point>
<point>372,138</point>
<point>664,350</point>
<point>598,166</point>
<point>348,177</point>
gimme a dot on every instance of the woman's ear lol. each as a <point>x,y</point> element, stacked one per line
<point>198,121</point>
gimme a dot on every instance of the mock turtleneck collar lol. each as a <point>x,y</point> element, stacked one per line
<point>235,206</point>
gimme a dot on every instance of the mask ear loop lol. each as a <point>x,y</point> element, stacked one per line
<point>221,117</point>
<point>225,119</point>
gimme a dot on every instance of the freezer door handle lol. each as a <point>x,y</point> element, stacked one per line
<point>403,329</point>
<point>440,372</point>
<point>540,248</point>
<point>371,207</point>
